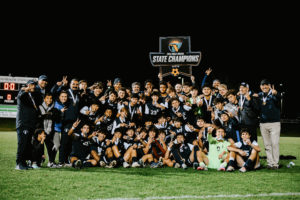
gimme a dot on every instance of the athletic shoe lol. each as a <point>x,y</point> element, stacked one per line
<point>202,166</point>
<point>135,164</point>
<point>51,165</point>
<point>275,167</point>
<point>126,165</point>
<point>230,169</point>
<point>195,165</point>
<point>59,165</point>
<point>68,165</point>
<point>154,165</point>
<point>21,167</point>
<point>184,166</point>
<point>243,169</point>
<point>177,165</point>
<point>111,164</point>
<point>269,167</point>
<point>102,163</point>
<point>221,169</point>
<point>35,166</point>
<point>78,164</point>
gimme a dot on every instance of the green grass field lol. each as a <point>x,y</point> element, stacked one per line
<point>146,183</point>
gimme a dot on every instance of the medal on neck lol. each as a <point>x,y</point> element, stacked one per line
<point>264,99</point>
<point>242,101</point>
<point>73,97</point>
<point>208,103</point>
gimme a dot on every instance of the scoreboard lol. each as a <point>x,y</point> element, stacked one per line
<point>9,89</point>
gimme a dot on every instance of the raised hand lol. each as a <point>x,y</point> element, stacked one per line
<point>274,92</point>
<point>193,79</point>
<point>208,71</point>
<point>160,76</point>
<point>109,84</point>
<point>64,109</point>
<point>76,123</point>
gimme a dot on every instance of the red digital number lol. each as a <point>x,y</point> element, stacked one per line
<point>6,86</point>
<point>12,86</point>
<point>9,86</point>
<point>8,97</point>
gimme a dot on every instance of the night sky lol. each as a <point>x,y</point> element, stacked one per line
<point>237,50</point>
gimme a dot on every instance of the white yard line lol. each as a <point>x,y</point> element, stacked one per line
<point>211,196</point>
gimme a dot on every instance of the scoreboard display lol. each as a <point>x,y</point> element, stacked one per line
<point>9,89</point>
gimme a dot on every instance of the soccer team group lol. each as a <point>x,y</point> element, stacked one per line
<point>205,126</point>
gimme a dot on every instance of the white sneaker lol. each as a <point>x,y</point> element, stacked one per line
<point>67,165</point>
<point>135,164</point>
<point>126,165</point>
<point>34,166</point>
<point>230,169</point>
<point>102,164</point>
<point>184,166</point>
<point>243,169</point>
<point>51,165</point>
<point>177,165</point>
<point>202,166</point>
<point>221,169</point>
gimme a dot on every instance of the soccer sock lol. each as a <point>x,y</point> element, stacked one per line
<point>177,156</point>
<point>87,164</point>
<point>248,164</point>
<point>120,160</point>
<point>231,163</point>
<point>134,159</point>
<point>196,148</point>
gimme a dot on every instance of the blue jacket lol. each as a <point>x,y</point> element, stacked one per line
<point>57,126</point>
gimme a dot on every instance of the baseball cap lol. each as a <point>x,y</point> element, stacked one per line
<point>117,80</point>
<point>265,82</point>
<point>244,84</point>
<point>43,77</point>
<point>30,82</point>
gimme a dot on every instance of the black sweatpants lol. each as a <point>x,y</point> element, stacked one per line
<point>65,144</point>
<point>24,150</point>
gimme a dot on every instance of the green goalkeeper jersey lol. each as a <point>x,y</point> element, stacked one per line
<point>215,149</point>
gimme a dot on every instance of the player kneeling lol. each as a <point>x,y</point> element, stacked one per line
<point>245,153</point>
<point>81,147</point>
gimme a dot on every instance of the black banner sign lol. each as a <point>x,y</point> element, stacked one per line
<point>175,51</point>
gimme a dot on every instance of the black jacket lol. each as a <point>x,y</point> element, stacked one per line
<point>248,114</point>
<point>26,112</point>
<point>270,112</point>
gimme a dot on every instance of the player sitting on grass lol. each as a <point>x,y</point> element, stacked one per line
<point>218,155</point>
<point>130,146</point>
<point>118,146</point>
<point>101,149</point>
<point>81,147</point>
<point>245,153</point>
<point>150,148</point>
<point>142,152</point>
<point>180,152</point>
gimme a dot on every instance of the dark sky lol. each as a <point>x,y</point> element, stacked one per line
<point>246,49</point>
